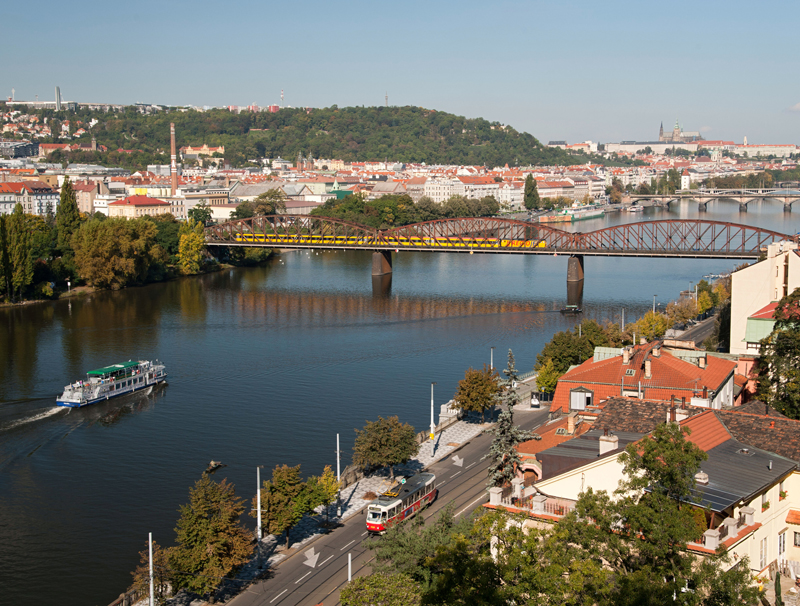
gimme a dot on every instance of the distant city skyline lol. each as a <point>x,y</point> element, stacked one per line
<point>561,71</point>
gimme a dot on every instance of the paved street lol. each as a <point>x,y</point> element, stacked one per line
<point>315,572</point>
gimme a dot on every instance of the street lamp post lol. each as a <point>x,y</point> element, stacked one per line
<point>491,358</point>
<point>258,501</point>
<point>433,425</point>
<point>338,481</point>
<point>654,304</point>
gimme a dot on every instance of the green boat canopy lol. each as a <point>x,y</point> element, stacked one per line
<point>112,369</point>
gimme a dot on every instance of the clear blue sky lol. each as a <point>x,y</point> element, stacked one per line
<point>605,71</point>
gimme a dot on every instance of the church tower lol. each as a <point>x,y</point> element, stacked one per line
<point>676,132</point>
<point>661,132</point>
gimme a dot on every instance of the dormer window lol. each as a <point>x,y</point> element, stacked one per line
<point>580,398</point>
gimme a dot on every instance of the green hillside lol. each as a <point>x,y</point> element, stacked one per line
<point>404,134</point>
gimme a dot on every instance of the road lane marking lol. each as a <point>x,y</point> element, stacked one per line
<point>441,483</point>
<point>471,464</point>
<point>303,577</point>
<point>348,545</point>
<point>326,559</point>
<point>455,474</point>
<point>364,533</point>
<point>277,596</point>
<point>480,498</point>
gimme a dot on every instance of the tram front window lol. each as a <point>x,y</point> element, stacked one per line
<point>374,515</point>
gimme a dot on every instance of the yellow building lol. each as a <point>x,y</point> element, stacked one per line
<point>134,207</point>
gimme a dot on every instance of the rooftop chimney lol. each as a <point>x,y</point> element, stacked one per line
<point>173,160</point>
<point>642,341</point>
<point>626,356</point>
<point>648,371</point>
<point>571,423</point>
<point>608,443</point>
<point>657,350</point>
<point>701,477</point>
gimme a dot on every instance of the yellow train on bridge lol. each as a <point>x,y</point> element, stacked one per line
<point>394,241</point>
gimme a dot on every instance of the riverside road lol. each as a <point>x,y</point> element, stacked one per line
<point>317,571</point>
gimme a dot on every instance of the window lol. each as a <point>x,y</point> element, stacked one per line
<point>781,544</point>
<point>762,553</point>
<point>580,398</point>
<point>764,500</point>
<point>797,539</point>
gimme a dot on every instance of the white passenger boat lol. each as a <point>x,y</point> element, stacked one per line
<point>112,381</point>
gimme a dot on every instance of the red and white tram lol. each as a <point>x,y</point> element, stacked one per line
<point>401,502</point>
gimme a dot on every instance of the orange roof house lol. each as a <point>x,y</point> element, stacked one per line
<point>650,372</point>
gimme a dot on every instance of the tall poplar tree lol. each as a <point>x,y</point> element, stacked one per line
<point>67,217</point>
<point>19,251</point>
<point>531,193</point>
<point>5,261</point>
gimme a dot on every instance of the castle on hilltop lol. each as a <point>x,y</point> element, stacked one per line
<point>678,135</point>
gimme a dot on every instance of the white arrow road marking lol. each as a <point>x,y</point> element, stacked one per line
<point>311,558</point>
<point>458,462</point>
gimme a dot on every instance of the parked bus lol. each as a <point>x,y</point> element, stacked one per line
<point>401,502</point>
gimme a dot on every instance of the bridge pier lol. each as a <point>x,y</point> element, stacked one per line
<point>742,207</point>
<point>575,293</point>
<point>702,206</point>
<point>787,207</point>
<point>381,262</point>
<point>575,269</point>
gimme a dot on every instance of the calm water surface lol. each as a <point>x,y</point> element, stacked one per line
<point>266,365</point>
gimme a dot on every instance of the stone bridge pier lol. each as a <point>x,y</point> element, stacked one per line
<point>381,262</point>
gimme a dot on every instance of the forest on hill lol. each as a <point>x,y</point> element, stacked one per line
<point>400,134</point>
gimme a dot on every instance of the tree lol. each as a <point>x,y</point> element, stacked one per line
<point>565,349</point>
<point>406,548</point>
<point>162,574</point>
<point>245,210</point>
<point>19,251</point>
<point>67,217</point>
<point>271,202</point>
<point>200,214</point>
<point>381,589</point>
<point>384,442</point>
<point>116,252</point>
<point>478,390</point>
<point>704,302</point>
<point>5,261</point>
<point>651,325</point>
<point>211,543</point>
<point>778,367</point>
<point>464,576</point>
<point>503,454</point>
<point>190,249</point>
<point>547,377</point>
<point>285,499</point>
<point>531,196</point>
<point>328,488</point>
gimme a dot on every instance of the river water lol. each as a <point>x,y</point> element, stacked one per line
<point>266,365</point>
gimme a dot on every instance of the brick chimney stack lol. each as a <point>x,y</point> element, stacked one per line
<point>173,159</point>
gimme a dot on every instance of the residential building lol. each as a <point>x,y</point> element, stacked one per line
<point>134,207</point>
<point>646,371</point>
<point>18,149</point>
<point>754,290</point>
<point>85,193</point>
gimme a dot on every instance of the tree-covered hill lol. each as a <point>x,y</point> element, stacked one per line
<point>403,134</point>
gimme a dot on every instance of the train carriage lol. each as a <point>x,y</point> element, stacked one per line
<point>401,502</point>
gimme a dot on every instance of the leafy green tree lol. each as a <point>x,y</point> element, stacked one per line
<point>385,442</point>
<point>286,498</point>
<point>211,544</point>
<point>478,391</point>
<point>569,348</point>
<point>67,217</point>
<point>704,302</point>
<point>245,210</point>
<point>271,202</point>
<point>531,196</point>
<point>5,261</point>
<point>381,589</point>
<point>162,574</point>
<point>651,325</point>
<point>116,252</point>
<point>406,548</point>
<point>328,487</point>
<point>778,367</point>
<point>200,213</point>
<point>19,251</point>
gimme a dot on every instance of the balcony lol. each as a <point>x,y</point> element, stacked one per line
<point>532,503</point>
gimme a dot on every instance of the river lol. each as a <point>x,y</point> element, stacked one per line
<point>266,365</point>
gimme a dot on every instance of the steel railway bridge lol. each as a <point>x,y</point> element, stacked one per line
<point>667,238</point>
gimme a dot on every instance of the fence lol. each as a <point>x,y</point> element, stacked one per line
<point>129,598</point>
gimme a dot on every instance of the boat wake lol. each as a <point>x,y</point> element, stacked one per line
<point>37,417</point>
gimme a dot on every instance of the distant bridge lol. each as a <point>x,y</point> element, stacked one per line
<point>704,196</point>
<point>667,238</point>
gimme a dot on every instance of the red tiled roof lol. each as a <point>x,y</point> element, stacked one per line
<point>669,376</point>
<point>707,431</point>
<point>551,438</point>
<point>766,313</point>
<point>139,201</point>
<point>793,517</point>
